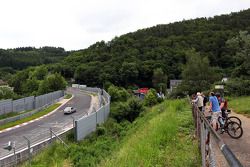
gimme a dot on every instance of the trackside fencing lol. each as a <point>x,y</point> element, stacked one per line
<point>214,152</point>
<point>29,103</point>
<point>88,124</point>
<point>26,104</point>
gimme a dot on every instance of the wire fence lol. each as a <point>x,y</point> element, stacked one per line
<point>214,152</point>
<point>30,148</point>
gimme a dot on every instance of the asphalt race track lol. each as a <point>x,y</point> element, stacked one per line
<point>39,130</point>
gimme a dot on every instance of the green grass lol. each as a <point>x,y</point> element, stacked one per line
<point>68,96</point>
<point>11,114</point>
<point>37,115</point>
<point>58,151</point>
<point>161,136</point>
<point>159,140</point>
<point>240,105</point>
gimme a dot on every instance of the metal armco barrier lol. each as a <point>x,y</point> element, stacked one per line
<point>209,141</point>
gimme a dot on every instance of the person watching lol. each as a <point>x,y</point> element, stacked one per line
<point>215,109</point>
<point>223,104</point>
<point>199,101</point>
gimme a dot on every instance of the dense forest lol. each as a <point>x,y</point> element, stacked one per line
<point>201,50</point>
<point>132,58</point>
<point>12,60</point>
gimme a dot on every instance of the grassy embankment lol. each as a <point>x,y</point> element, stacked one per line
<point>240,105</point>
<point>161,136</point>
<point>36,115</point>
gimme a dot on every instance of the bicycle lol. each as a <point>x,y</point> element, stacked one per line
<point>232,128</point>
<point>231,118</point>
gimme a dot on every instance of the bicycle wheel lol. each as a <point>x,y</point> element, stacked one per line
<point>234,130</point>
<point>234,119</point>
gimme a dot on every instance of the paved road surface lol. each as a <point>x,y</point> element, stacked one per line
<point>39,130</point>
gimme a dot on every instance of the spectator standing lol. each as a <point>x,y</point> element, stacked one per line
<point>199,101</point>
<point>205,100</point>
<point>223,104</point>
<point>215,109</point>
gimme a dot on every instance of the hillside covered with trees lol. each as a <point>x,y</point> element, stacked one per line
<point>12,60</point>
<point>199,51</point>
<point>134,58</point>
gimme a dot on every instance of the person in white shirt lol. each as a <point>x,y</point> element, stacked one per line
<point>199,101</point>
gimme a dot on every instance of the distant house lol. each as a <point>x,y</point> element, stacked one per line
<point>174,83</point>
<point>141,92</point>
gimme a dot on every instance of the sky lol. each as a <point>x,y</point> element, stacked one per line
<point>77,24</point>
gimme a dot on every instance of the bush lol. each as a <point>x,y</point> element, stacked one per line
<point>150,98</point>
<point>127,111</point>
<point>7,93</point>
<point>119,111</point>
<point>100,130</point>
<point>118,93</point>
<point>135,107</point>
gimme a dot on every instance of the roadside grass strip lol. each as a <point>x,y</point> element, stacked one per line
<point>32,117</point>
<point>68,96</point>
<point>240,105</point>
<point>12,114</point>
<point>163,140</point>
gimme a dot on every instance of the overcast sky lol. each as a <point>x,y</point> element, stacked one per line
<point>76,24</point>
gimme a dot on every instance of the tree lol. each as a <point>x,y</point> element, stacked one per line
<point>53,82</point>
<point>197,74</point>
<point>30,86</point>
<point>40,72</point>
<point>118,93</point>
<point>17,80</point>
<point>159,80</point>
<point>239,48</point>
<point>129,73</point>
<point>7,93</point>
<point>151,98</point>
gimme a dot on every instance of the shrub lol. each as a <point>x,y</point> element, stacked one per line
<point>100,130</point>
<point>151,98</point>
<point>129,110</point>
<point>7,93</point>
<point>118,111</point>
<point>118,93</point>
<point>135,107</point>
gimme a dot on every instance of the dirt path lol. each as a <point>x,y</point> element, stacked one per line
<point>240,147</point>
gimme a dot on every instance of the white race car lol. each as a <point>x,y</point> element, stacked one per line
<point>69,110</point>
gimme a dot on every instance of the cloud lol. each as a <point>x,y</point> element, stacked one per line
<point>76,24</point>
